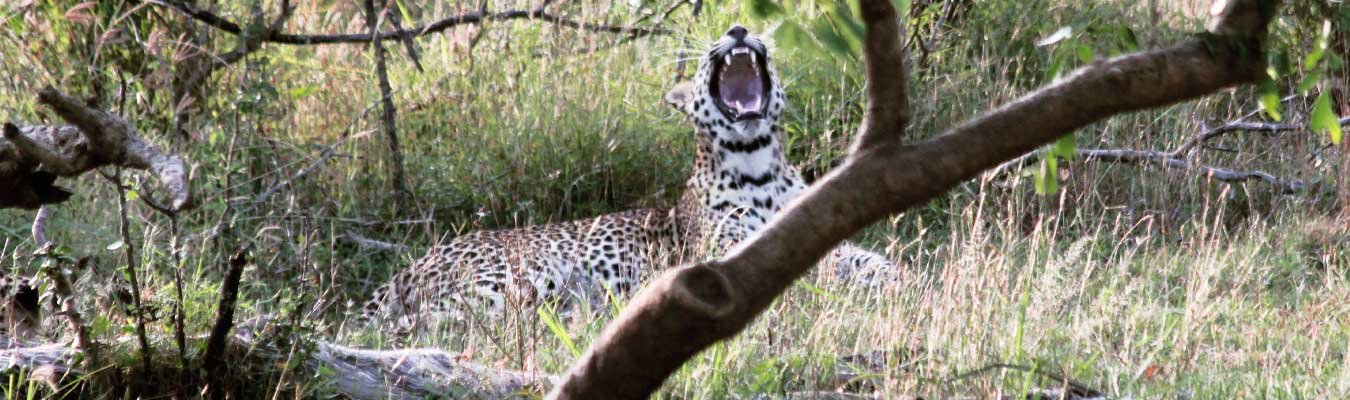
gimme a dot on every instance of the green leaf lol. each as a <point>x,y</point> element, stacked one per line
<point>1084,54</point>
<point>1126,39</point>
<point>763,9</point>
<point>1281,64</point>
<point>1319,48</point>
<point>817,290</point>
<point>1047,179</point>
<point>901,7</point>
<point>1270,99</point>
<point>831,39</point>
<point>133,195</point>
<point>1324,119</point>
<point>1309,81</point>
<point>845,16</point>
<point>1334,62</point>
<point>403,11</point>
<point>555,326</point>
<point>791,35</point>
<point>1065,147</point>
<point>302,91</point>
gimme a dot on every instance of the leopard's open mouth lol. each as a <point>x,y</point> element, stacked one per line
<point>740,83</point>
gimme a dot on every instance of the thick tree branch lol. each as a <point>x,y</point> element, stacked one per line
<point>689,308</point>
<point>226,25</point>
<point>887,98</point>
<point>31,156</point>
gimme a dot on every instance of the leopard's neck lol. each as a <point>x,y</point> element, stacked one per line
<point>728,160</point>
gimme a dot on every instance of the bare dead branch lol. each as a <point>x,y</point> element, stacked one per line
<point>220,330</point>
<point>1177,158</point>
<point>31,157</point>
<point>223,24</point>
<point>1240,126</point>
<point>132,272</point>
<point>40,225</point>
<point>374,244</point>
<point>1075,390</point>
<point>407,38</point>
<point>1166,159</point>
<point>1169,160</point>
<point>689,308</point>
<point>389,117</point>
<point>61,286</point>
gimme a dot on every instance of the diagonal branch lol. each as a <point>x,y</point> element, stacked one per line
<point>689,308</point>
<point>226,25</point>
<point>407,38</point>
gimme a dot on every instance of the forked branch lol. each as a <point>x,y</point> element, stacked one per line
<point>689,308</point>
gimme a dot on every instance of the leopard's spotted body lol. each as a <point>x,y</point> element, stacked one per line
<point>488,271</point>
<point>741,178</point>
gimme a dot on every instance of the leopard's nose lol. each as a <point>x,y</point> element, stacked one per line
<point>737,32</point>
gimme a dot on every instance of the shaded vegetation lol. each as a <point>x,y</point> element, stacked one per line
<point>1135,280</point>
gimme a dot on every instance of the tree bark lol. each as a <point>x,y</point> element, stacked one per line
<point>31,157</point>
<point>689,308</point>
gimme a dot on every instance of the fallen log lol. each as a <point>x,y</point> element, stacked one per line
<point>355,373</point>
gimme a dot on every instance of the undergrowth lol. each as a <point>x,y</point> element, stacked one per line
<point>1135,280</point>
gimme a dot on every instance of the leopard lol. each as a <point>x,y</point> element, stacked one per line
<point>741,178</point>
<point>486,272</point>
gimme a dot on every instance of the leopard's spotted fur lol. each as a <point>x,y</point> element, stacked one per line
<point>488,271</point>
<point>740,180</point>
<point>741,176</point>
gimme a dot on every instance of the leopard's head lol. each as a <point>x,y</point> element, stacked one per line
<point>736,91</point>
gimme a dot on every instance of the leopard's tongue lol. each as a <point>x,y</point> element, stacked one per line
<point>740,86</point>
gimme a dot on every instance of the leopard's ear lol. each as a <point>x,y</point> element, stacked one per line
<point>681,96</point>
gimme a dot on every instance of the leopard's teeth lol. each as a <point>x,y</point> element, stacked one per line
<point>726,60</point>
<point>754,59</point>
<point>739,50</point>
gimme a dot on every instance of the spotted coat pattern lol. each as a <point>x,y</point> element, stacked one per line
<point>490,271</point>
<point>741,176</point>
<point>740,180</point>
